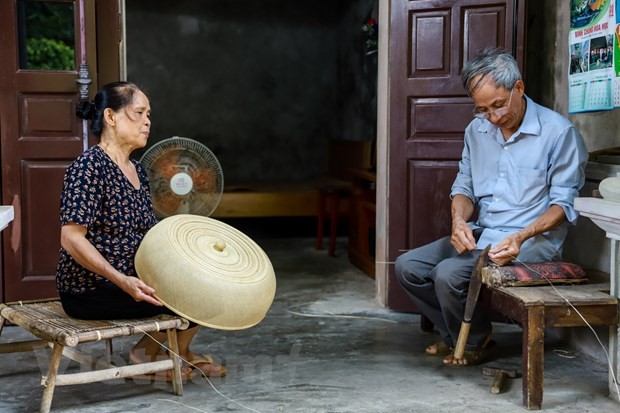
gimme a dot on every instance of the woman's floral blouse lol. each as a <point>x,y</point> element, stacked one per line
<point>97,195</point>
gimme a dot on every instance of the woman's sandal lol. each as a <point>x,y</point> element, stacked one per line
<point>164,376</point>
<point>441,349</point>
<point>187,373</point>
<point>205,365</point>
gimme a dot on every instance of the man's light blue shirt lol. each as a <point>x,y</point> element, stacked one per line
<point>514,182</point>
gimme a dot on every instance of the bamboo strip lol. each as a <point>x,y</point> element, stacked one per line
<point>21,346</point>
<point>49,322</point>
<point>85,359</point>
<point>50,380</point>
<point>112,373</point>
<point>37,327</point>
<point>177,384</point>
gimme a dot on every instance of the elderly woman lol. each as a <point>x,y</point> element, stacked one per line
<point>105,212</point>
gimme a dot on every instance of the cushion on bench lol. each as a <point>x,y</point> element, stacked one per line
<point>528,274</point>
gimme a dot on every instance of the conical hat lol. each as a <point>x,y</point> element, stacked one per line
<point>207,271</point>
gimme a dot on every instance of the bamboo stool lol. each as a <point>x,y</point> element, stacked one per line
<point>48,321</point>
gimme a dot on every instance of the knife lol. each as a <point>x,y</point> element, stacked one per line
<point>475,282</point>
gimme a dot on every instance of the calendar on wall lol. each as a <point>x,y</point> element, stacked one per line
<point>594,67</point>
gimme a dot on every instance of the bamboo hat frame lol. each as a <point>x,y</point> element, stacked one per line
<point>207,271</point>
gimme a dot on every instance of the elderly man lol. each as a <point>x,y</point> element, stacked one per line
<point>521,168</point>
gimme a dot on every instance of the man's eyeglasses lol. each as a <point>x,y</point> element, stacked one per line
<point>497,112</point>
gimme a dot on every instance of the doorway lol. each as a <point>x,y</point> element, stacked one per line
<point>265,85</point>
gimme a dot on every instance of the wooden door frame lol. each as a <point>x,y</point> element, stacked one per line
<point>110,40</point>
<point>385,115</point>
<point>383,110</point>
<point>102,17</point>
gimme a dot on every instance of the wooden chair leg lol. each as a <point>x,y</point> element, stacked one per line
<point>333,224</point>
<point>320,219</point>
<point>426,324</point>
<point>50,379</point>
<point>177,383</point>
<point>109,350</point>
<point>533,357</point>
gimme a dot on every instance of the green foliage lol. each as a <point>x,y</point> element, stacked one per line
<point>48,34</point>
<point>49,54</point>
<point>50,20</point>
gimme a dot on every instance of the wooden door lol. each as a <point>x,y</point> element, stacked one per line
<point>39,132</point>
<point>425,114</point>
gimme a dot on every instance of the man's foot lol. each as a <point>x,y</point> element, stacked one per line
<point>471,357</point>
<point>438,349</point>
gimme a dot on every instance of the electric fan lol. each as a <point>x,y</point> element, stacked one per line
<point>185,177</point>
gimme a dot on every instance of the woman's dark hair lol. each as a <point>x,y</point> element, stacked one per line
<point>114,95</point>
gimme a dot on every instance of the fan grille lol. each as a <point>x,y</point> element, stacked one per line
<point>185,177</point>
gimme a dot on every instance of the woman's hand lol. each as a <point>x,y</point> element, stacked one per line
<point>506,251</point>
<point>139,291</point>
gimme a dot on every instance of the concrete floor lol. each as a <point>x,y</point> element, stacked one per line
<point>326,345</point>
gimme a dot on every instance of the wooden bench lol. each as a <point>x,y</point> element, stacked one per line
<point>268,199</point>
<point>536,308</point>
<point>291,197</point>
<point>47,321</point>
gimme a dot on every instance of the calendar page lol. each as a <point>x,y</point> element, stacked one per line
<point>594,67</point>
<point>576,97</point>
<point>598,95</point>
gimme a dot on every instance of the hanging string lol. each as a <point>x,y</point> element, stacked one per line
<point>609,362</point>
<point>329,314</point>
<point>182,404</point>
<point>203,374</point>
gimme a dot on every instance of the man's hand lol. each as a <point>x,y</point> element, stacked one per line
<point>509,248</point>
<point>506,251</point>
<point>139,291</point>
<point>462,237</point>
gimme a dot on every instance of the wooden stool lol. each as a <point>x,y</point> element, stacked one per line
<point>330,196</point>
<point>48,321</point>
<point>535,308</point>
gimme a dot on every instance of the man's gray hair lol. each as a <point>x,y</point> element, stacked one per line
<point>495,64</point>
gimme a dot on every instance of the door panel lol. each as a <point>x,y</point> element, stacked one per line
<point>39,135</point>
<point>427,181</point>
<point>428,113</point>
<point>45,117</point>
<point>436,126</point>
<point>42,183</point>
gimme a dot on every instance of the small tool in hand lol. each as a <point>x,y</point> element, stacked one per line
<point>499,376</point>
